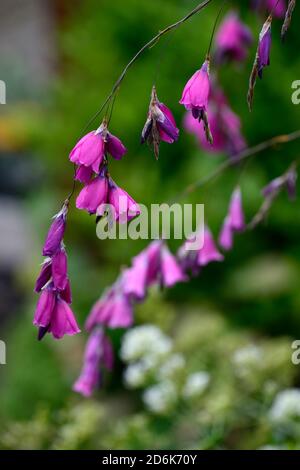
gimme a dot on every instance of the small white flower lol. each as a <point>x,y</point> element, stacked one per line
<point>171,366</point>
<point>196,384</point>
<point>161,397</point>
<point>286,406</point>
<point>144,340</point>
<point>135,375</point>
<point>247,356</point>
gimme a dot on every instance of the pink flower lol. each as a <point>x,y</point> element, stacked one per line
<point>124,207</point>
<point>234,221</point>
<point>160,125</point>
<point>233,38</point>
<point>60,270</point>
<point>56,233</point>
<point>84,174</point>
<point>113,310</point>
<point>54,315</point>
<point>134,279</point>
<point>194,259</point>
<point>93,194</point>
<point>209,252</point>
<point>91,150</point>
<point>98,354</point>
<point>280,7</point>
<point>196,92</point>
<point>171,272</point>
<point>225,127</point>
<point>44,276</point>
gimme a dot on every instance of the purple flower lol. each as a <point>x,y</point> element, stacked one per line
<point>98,354</point>
<point>196,92</point>
<point>90,151</point>
<point>113,310</point>
<point>160,124</point>
<point>44,276</point>
<point>60,270</point>
<point>170,271</point>
<point>264,47</point>
<point>53,315</point>
<point>233,38</point>
<point>134,279</point>
<point>288,180</point>
<point>56,233</point>
<point>225,127</point>
<point>124,207</point>
<point>84,174</point>
<point>209,252</point>
<point>277,7</point>
<point>93,194</point>
<point>234,221</point>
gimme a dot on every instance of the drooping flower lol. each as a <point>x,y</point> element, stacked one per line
<point>84,174</point>
<point>234,221</point>
<point>93,194</point>
<point>233,39</point>
<point>195,97</point>
<point>91,150</point>
<point>60,270</point>
<point>44,276</point>
<point>192,258</point>
<point>124,207</point>
<point>98,355</point>
<point>171,272</point>
<point>262,58</point>
<point>288,181</point>
<point>225,127</point>
<point>53,315</point>
<point>56,232</point>
<point>160,125</point>
<point>113,310</point>
<point>134,279</point>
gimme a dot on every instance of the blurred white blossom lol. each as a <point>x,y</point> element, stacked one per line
<point>196,384</point>
<point>146,340</point>
<point>161,397</point>
<point>172,365</point>
<point>247,356</point>
<point>286,406</point>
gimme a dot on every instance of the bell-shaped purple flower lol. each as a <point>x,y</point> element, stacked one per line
<point>196,92</point>
<point>233,39</point>
<point>170,271</point>
<point>63,321</point>
<point>209,252</point>
<point>44,276</point>
<point>124,207</point>
<point>234,221</point>
<point>56,233</point>
<point>98,354</point>
<point>89,151</point>
<point>60,270</point>
<point>160,125</point>
<point>93,194</point>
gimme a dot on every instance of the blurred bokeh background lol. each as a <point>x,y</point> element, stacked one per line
<point>230,329</point>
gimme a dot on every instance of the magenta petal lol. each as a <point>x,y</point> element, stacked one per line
<point>60,270</point>
<point>209,252</point>
<point>236,213</point>
<point>55,234</point>
<point>66,294</point>
<point>226,235</point>
<point>44,309</point>
<point>93,195</point>
<point>170,269</point>
<point>62,320</point>
<point>124,206</point>
<point>100,313</point>
<point>121,315</point>
<point>134,279</point>
<point>168,131</point>
<point>89,151</point>
<point>44,276</point>
<point>197,89</point>
<point>84,174</point>
<point>115,147</point>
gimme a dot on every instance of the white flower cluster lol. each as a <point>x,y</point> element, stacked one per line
<point>286,406</point>
<point>247,356</point>
<point>153,364</point>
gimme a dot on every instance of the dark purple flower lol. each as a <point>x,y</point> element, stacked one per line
<point>56,233</point>
<point>44,276</point>
<point>160,124</point>
<point>233,39</point>
<point>264,47</point>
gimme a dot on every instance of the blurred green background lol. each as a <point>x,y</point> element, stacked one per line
<point>235,322</point>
